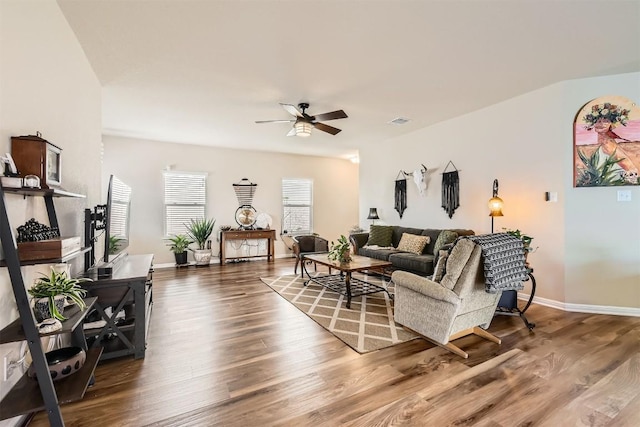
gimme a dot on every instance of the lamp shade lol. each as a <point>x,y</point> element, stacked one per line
<point>495,205</point>
<point>373,213</point>
<point>303,128</point>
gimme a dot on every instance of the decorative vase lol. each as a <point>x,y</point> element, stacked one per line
<point>202,256</point>
<point>181,258</point>
<point>62,362</point>
<point>41,306</point>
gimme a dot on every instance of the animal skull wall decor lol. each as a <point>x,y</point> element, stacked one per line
<point>419,176</point>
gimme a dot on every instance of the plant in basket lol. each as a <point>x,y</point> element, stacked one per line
<point>51,291</point>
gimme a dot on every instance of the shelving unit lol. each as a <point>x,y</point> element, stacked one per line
<point>29,395</point>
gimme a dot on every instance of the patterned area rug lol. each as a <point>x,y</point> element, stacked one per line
<point>366,327</point>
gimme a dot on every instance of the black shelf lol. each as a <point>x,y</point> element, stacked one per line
<point>65,258</point>
<point>15,332</point>
<point>26,397</point>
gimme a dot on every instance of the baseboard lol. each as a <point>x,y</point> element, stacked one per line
<point>584,308</point>
<point>216,261</point>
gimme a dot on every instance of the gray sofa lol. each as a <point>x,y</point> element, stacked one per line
<point>422,264</point>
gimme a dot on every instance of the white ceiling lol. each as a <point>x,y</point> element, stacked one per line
<point>202,72</point>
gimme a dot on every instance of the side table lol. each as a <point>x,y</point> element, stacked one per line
<point>508,304</point>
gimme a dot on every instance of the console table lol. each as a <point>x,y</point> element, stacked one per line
<point>231,235</point>
<point>129,288</point>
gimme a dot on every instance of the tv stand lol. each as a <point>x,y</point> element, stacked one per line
<point>129,288</point>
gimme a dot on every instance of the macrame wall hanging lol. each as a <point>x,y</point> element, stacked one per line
<point>401,193</point>
<point>450,190</point>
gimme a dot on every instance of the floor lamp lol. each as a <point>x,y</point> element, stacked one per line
<point>495,204</point>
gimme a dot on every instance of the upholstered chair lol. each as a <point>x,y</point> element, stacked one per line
<point>457,306</point>
<point>306,245</point>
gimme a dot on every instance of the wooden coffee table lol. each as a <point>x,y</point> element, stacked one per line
<point>343,283</point>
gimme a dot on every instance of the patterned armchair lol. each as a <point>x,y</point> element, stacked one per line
<point>457,306</point>
<point>308,244</point>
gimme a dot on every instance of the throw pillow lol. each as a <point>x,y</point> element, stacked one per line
<point>439,271</point>
<point>380,235</point>
<point>412,243</point>
<point>445,237</point>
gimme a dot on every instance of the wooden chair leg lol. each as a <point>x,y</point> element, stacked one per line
<point>455,349</point>
<point>486,335</point>
<point>295,268</point>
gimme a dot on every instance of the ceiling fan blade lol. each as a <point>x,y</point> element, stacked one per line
<point>292,132</point>
<point>291,109</point>
<point>338,114</point>
<point>326,128</point>
<point>275,121</point>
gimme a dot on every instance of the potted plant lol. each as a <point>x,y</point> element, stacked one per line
<point>179,244</point>
<point>340,251</point>
<point>199,231</point>
<point>50,293</point>
<point>114,244</point>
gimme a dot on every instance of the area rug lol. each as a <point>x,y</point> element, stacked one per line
<point>367,326</point>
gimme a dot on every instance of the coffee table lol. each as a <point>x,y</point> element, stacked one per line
<point>344,283</point>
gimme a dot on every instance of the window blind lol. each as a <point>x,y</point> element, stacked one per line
<point>297,206</point>
<point>184,199</point>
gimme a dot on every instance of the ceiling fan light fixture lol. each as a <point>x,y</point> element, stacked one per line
<point>303,129</point>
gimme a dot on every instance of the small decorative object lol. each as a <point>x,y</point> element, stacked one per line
<point>340,251</point>
<point>51,292</point>
<point>450,190</point>
<point>607,143</point>
<point>495,203</point>
<point>179,244</point>
<point>34,155</point>
<point>199,231</point>
<point>264,221</point>
<point>225,227</point>
<point>49,325</point>
<point>33,231</point>
<point>62,362</point>
<point>31,181</point>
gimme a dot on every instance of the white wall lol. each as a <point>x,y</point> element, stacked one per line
<point>140,164</point>
<point>47,85</point>
<point>589,244</point>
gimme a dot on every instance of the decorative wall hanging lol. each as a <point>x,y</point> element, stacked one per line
<point>401,193</point>
<point>607,143</point>
<point>450,190</point>
<point>419,177</point>
<point>246,213</point>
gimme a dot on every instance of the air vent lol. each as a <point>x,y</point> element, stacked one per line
<point>399,121</point>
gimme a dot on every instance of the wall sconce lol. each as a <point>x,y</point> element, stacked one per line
<point>495,204</point>
<point>373,215</point>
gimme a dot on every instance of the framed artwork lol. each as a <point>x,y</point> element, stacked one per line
<point>606,135</point>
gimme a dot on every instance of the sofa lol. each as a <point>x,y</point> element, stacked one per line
<point>422,263</point>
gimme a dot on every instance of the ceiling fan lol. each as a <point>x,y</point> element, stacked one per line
<point>303,122</point>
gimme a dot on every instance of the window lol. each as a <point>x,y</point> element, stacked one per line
<point>297,206</point>
<point>184,199</point>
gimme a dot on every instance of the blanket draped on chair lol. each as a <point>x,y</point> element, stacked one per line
<point>504,266</point>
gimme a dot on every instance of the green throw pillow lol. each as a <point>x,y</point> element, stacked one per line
<point>444,238</point>
<point>380,235</point>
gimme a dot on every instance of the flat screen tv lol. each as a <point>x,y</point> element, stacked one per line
<point>118,215</point>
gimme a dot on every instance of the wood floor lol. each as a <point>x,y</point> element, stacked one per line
<point>226,350</point>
